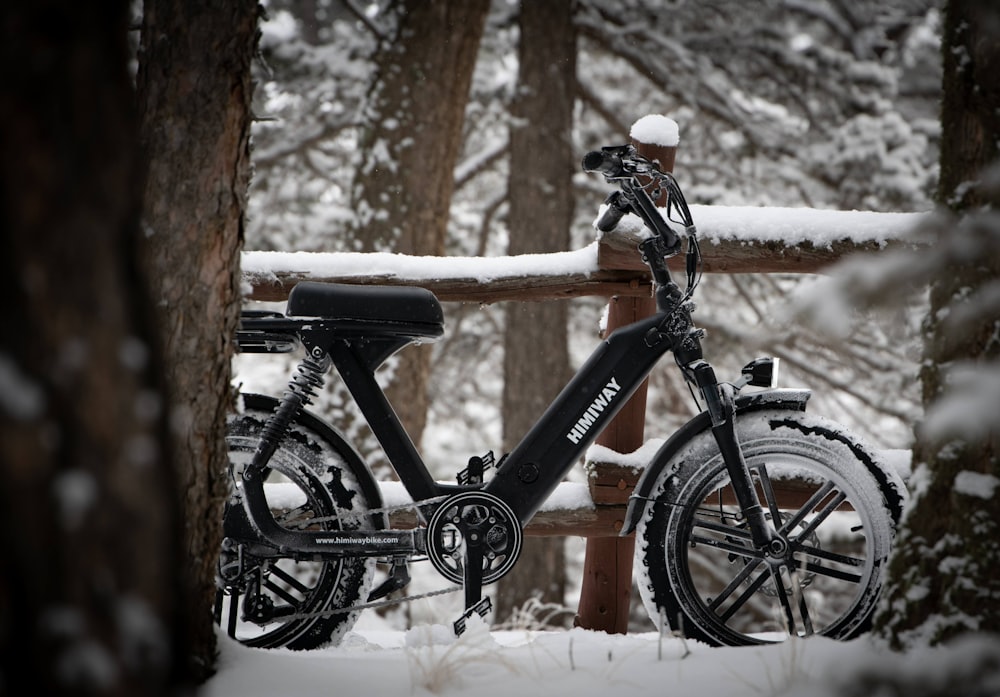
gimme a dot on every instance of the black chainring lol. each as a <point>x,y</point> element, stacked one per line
<point>474,517</point>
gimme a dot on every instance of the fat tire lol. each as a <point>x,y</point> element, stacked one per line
<point>330,476</point>
<point>680,525</point>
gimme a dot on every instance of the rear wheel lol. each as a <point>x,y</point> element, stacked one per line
<point>266,599</point>
<point>835,508</point>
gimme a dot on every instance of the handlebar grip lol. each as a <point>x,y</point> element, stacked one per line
<point>613,213</point>
<point>607,163</point>
<point>609,219</point>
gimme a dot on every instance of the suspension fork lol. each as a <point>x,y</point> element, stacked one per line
<point>722,410</point>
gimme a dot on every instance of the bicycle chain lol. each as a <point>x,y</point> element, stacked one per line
<point>371,605</point>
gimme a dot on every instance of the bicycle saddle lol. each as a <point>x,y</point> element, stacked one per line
<point>406,305</point>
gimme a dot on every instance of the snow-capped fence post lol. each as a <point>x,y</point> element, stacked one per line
<point>607,569</point>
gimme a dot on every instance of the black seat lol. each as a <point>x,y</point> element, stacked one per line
<point>396,307</point>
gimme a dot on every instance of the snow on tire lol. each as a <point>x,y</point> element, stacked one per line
<point>837,506</point>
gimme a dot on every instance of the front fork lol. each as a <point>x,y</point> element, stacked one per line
<point>722,410</point>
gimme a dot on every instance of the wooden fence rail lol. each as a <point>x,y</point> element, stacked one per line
<point>733,240</point>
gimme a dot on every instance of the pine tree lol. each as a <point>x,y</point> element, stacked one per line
<point>943,575</point>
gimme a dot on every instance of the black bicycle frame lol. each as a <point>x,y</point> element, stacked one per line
<point>602,386</point>
<point>525,477</point>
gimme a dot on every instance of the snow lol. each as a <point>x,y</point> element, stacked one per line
<point>636,460</point>
<point>747,224</point>
<point>279,28</point>
<point>75,493</point>
<point>973,391</point>
<point>976,484</point>
<point>900,461</point>
<point>790,226</point>
<point>798,225</point>
<point>20,397</point>
<point>482,269</point>
<point>656,130</point>
<point>482,663</point>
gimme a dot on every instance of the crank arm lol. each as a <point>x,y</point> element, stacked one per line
<point>475,603</point>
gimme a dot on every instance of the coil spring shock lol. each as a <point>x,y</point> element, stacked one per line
<point>302,388</point>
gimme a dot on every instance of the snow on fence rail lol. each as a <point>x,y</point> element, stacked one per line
<point>734,239</point>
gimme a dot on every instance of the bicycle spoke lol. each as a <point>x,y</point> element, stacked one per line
<point>745,596</point>
<point>719,513</point>
<point>807,508</point>
<point>785,596</point>
<point>733,585</point>
<point>827,555</point>
<point>786,607</point>
<point>823,514</point>
<point>726,546</point>
<point>727,530</point>
<point>832,573</point>
<point>289,579</point>
<point>796,582</point>
<point>281,592</point>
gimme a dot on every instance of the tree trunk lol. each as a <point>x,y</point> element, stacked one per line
<point>540,188</point>
<point>943,575</point>
<point>194,92</point>
<point>413,134</point>
<point>88,519</point>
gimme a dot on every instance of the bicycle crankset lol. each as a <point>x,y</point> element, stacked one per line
<point>474,519</point>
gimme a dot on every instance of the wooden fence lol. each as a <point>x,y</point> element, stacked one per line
<point>733,240</point>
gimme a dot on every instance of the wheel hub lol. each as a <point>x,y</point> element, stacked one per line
<point>777,549</point>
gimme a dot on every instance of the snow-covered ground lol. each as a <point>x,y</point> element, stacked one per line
<point>428,660</point>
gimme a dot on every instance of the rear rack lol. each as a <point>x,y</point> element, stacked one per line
<point>250,340</point>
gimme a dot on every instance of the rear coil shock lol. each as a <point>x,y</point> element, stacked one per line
<point>302,388</point>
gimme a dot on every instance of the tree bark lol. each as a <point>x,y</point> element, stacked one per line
<point>194,92</point>
<point>942,577</point>
<point>88,517</point>
<point>402,193</point>
<point>536,352</point>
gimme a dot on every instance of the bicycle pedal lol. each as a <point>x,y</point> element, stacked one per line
<point>473,474</point>
<point>482,608</point>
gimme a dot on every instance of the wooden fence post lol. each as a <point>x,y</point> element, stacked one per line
<point>607,569</point>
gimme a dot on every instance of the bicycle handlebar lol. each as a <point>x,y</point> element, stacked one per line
<point>636,176</point>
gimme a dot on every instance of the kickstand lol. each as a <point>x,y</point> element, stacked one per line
<point>398,578</point>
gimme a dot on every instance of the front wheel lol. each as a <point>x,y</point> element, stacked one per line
<point>834,505</point>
